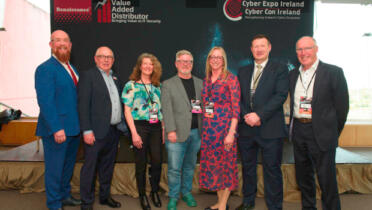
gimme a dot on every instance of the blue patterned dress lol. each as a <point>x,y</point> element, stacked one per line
<point>218,168</point>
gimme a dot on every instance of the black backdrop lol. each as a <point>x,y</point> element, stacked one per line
<point>171,25</point>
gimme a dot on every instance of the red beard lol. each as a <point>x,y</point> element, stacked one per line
<point>63,57</point>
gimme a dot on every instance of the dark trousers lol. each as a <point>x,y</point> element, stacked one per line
<point>59,165</point>
<point>308,157</point>
<point>271,151</point>
<point>151,135</point>
<point>100,157</point>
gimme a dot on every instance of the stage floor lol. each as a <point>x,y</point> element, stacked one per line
<point>29,152</point>
<point>22,168</point>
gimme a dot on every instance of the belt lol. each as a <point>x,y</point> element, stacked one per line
<point>303,120</point>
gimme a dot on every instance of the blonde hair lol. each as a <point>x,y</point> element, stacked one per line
<point>156,74</point>
<point>208,69</point>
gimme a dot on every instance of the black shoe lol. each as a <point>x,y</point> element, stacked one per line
<point>90,207</point>
<point>145,202</point>
<point>110,202</point>
<point>155,199</point>
<point>209,208</point>
<point>245,206</point>
<point>71,201</point>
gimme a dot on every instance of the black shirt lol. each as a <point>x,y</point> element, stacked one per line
<point>189,86</point>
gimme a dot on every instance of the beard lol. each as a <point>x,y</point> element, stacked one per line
<point>63,57</point>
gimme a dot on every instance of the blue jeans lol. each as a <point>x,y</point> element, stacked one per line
<point>182,158</point>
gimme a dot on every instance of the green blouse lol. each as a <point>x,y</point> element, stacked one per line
<point>136,96</point>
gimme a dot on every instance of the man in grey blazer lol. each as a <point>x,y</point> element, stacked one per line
<point>181,107</point>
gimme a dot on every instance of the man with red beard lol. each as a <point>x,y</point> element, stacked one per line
<point>58,122</point>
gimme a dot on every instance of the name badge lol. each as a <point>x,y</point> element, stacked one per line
<point>305,105</point>
<point>196,106</point>
<point>209,109</point>
<point>153,115</point>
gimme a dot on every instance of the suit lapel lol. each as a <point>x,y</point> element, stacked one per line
<point>63,71</point>
<point>180,87</point>
<point>264,76</point>
<point>318,77</point>
<point>101,82</point>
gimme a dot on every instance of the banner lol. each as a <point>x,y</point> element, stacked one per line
<point>162,27</point>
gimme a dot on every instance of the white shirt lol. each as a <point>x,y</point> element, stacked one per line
<point>308,78</point>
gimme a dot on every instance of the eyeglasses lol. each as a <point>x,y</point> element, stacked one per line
<point>108,57</point>
<point>305,49</point>
<point>66,40</point>
<point>185,61</point>
<point>215,57</point>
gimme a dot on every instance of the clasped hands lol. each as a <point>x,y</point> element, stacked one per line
<point>252,119</point>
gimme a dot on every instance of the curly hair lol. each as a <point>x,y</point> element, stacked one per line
<point>208,69</point>
<point>156,74</point>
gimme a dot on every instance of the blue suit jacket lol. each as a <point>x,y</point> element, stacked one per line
<point>271,93</point>
<point>57,99</point>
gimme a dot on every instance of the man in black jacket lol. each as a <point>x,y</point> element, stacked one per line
<point>100,112</point>
<point>319,107</point>
<point>264,88</point>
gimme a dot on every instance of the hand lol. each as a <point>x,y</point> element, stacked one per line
<point>229,141</point>
<point>60,136</point>
<point>172,136</point>
<point>137,141</point>
<point>252,119</point>
<point>89,138</point>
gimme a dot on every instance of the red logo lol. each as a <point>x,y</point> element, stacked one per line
<point>103,8</point>
<point>72,11</point>
<point>233,9</point>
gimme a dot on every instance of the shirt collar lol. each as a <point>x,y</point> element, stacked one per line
<point>103,72</point>
<point>263,64</point>
<point>312,68</point>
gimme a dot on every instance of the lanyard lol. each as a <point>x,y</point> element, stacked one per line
<point>307,88</point>
<point>148,93</point>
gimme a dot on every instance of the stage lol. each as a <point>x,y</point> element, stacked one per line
<point>22,168</point>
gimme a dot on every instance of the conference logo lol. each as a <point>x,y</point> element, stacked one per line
<point>232,9</point>
<point>72,11</point>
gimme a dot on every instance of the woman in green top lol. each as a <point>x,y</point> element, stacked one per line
<point>141,98</point>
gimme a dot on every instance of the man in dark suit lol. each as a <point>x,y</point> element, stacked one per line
<point>58,122</point>
<point>264,88</point>
<point>319,107</point>
<point>100,112</point>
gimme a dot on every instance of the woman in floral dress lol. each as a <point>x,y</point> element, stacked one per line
<point>218,157</point>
